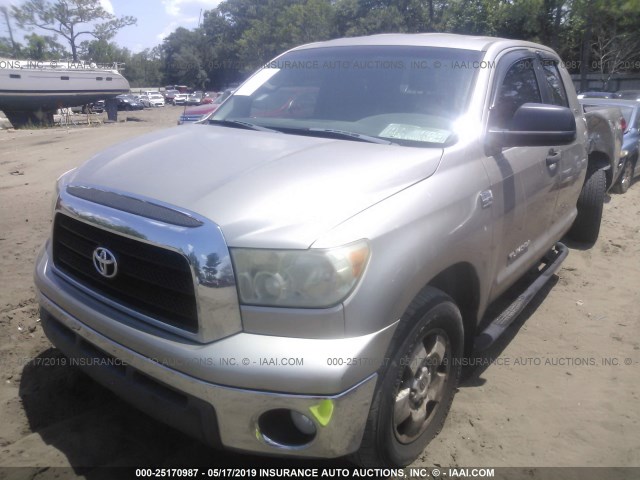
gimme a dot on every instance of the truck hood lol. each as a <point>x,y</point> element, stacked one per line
<point>263,189</point>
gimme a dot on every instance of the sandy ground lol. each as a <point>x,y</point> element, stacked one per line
<point>561,389</point>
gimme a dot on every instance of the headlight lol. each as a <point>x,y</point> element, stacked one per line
<point>299,278</point>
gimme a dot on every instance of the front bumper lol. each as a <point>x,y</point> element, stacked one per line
<point>218,414</point>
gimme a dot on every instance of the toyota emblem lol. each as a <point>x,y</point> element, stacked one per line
<point>105,262</point>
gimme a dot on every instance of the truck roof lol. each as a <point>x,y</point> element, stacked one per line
<point>446,40</point>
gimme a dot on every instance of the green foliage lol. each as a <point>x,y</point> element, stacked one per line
<point>238,36</point>
<point>42,47</point>
<point>6,49</point>
<point>70,19</point>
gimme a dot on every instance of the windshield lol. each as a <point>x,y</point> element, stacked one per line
<point>403,94</point>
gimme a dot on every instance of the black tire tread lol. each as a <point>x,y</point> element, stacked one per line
<point>586,226</point>
<point>368,454</point>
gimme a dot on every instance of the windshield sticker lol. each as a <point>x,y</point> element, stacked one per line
<point>415,133</point>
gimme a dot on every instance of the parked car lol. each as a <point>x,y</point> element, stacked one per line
<point>169,96</point>
<point>209,97</point>
<point>312,286</point>
<point>196,113</point>
<point>144,100</point>
<point>202,112</point>
<point>628,95</point>
<point>180,98</point>
<point>630,110</point>
<point>155,99</point>
<point>129,102</point>
<point>179,88</point>
<point>195,98</point>
<point>98,106</point>
<point>596,95</point>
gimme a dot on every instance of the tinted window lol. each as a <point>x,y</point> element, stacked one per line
<point>404,94</point>
<point>518,87</point>
<point>556,87</point>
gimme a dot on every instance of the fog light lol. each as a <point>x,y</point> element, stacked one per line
<point>284,428</point>
<point>303,423</point>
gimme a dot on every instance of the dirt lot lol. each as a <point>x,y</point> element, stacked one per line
<point>562,389</point>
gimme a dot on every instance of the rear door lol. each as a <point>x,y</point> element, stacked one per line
<point>570,159</point>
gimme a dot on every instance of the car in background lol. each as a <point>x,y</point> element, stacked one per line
<point>180,99</point>
<point>628,95</point>
<point>209,97</point>
<point>97,107</point>
<point>196,113</point>
<point>155,99</point>
<point>596,95</point>
<point>195,98</point>
<point>144,100</point>
<point>128,102</point>
<point>630,110</point>
<point>202,112</point>
<point>170,95</point>
<point>179,88</point>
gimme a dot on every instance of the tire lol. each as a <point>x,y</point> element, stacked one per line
<point>623,184</point>
<point>416,386</point>
<point>586,227</point>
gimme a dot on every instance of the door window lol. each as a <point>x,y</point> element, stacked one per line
<point>556,87</point>
<point>519,86</point>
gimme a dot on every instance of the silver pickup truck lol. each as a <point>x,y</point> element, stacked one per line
<point>304,273</point>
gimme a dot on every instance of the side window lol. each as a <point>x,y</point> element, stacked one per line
<point>556,87</point>
<point>518,87</point>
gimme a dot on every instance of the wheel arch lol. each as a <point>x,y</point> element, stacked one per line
<point>599,160</point>
<point>460,281</point>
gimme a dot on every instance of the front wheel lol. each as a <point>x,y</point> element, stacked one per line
<point>586,227</point>
<point>416,386</point>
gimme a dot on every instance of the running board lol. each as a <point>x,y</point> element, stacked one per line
<point>553,259</point>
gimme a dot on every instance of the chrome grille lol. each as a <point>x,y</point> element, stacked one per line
<point>151,280</point>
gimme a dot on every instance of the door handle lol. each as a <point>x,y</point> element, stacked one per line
<point>553,158</point>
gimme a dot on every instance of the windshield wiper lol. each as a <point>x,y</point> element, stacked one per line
<point>333,133</point>
<point>241,124</point>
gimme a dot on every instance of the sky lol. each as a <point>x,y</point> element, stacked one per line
<point>156,19</point>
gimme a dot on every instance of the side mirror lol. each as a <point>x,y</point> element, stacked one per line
<point>532,125</point>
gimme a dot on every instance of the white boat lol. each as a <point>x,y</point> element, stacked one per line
<point>32,90</point>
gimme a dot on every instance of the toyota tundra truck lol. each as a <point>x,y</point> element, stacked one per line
<point>303,273</point>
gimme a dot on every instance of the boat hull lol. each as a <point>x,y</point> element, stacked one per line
<point>47,90</point>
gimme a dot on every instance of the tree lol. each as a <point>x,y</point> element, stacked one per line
<point>146,68</point>
<point>9,45</point>
<point>70,19</point>
<point>284,24</point>
<point>102,51</point>
<point>616,43</point>
<point>42,47</point>
<point>185,58</point>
